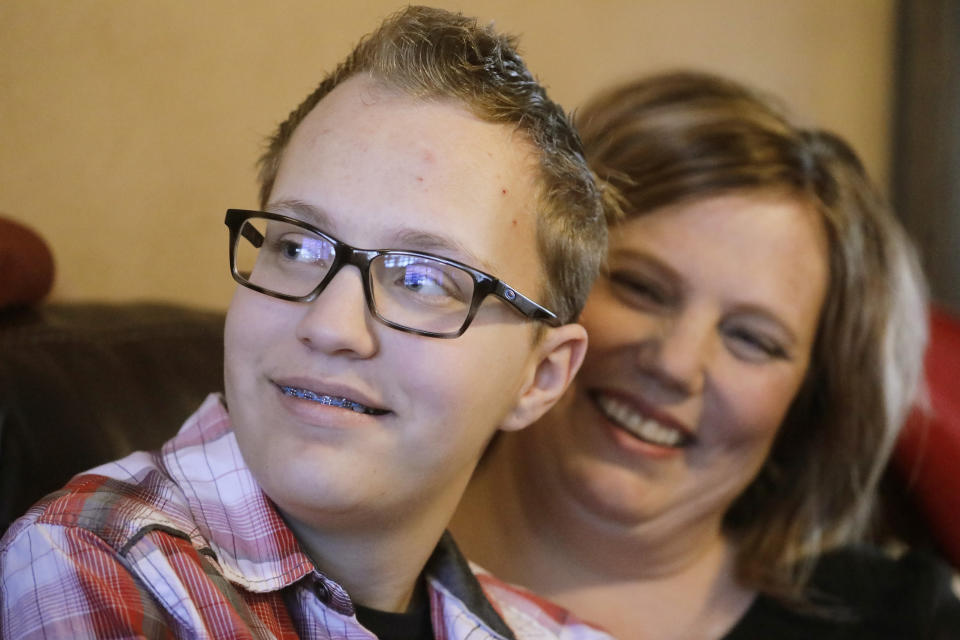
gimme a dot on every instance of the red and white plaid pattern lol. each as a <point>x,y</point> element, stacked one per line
<point>182,543</point>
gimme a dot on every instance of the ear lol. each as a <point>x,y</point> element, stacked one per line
<point>557,358</point>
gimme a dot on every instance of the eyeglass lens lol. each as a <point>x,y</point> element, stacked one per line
<point>414,291</point>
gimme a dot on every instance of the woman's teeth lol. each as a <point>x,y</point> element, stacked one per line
<point>638,425</point>
<point>331,401</point>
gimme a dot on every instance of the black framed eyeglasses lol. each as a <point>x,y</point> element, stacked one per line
<point>411,291</point>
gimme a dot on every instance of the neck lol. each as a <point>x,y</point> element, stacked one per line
<point>378,561</point>
<point>623,577</point>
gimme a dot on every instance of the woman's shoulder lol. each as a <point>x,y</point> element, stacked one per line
<point>867,575</point>
<point>864,592</point>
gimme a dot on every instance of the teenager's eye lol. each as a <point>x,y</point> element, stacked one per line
<point>753,345</point>
<point>423,280</point>
<point>427,282</point>
<point>289,250</point>
<point>303,249</point>
<point>637,290</point>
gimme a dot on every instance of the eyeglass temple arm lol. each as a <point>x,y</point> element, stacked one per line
<point>525,305</point>
<point>251,234</point>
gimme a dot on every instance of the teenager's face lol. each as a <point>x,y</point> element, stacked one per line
<point>380,170</point>
<point>700,337</point>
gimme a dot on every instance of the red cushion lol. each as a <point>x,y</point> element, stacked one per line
<point>26,265</point>
<point>928,453</point>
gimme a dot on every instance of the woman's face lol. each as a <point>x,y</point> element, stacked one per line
<point>700,336</point>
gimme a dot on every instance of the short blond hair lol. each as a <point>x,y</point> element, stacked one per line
<point>435,54</point>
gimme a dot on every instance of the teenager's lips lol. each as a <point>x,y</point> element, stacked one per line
<point>331,394</point>
<point>641,420</point>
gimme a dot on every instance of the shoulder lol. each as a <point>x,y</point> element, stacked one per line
<point>472,603</point>
<point>120,545</point>
<point>531,616</point>
<point>874,561</point>
<point>64,567</point>
<point>913,588</point>
<point>864,592</point>
<point>112,509</point>
<point>870,577</point>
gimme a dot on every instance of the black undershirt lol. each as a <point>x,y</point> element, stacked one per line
<point>412,624</point>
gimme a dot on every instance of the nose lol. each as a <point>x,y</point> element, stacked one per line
<point>677,353</point>
<point>338,322</point>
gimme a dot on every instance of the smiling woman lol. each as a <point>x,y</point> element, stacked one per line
<point>755,342</point>
<point>692,365</point>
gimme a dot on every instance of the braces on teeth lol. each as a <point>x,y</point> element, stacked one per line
<point>331,401</point>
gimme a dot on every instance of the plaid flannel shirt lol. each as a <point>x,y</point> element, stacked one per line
<point>183,543</point>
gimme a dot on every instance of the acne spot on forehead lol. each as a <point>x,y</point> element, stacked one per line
<point>428,156</point>
<point>503,191</point>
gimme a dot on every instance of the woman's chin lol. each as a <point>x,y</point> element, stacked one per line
<point>612,494</point>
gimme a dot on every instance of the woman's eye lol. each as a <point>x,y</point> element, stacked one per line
<point>637,290</point>
<point>753,345</point>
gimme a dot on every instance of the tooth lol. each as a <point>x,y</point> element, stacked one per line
<point>637,424</point>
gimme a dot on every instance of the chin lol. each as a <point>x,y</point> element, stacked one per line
<point>612,493</point>
<point>328,500</point>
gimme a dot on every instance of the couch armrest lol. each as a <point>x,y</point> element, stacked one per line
<point>928,453</point>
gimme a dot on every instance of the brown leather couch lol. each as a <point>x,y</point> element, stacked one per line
<point>83,384</point>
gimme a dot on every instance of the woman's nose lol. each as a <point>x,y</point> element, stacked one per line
<point>677,352</point>
<point>338,321</point>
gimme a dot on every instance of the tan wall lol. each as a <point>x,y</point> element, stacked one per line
<point>128,126</point>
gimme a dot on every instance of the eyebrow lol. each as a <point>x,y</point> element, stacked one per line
<point>407,238</point>
<point>419,240</point>
<point>301,210</point>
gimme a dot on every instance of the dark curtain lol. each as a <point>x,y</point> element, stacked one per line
<point>926,152</point>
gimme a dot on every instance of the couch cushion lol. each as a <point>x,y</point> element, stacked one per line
<point>82,384</point>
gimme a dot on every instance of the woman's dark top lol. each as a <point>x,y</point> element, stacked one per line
<point>867,595</point>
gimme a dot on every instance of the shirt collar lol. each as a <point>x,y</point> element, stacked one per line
<point>447,569</point>
<point>253,546</point>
